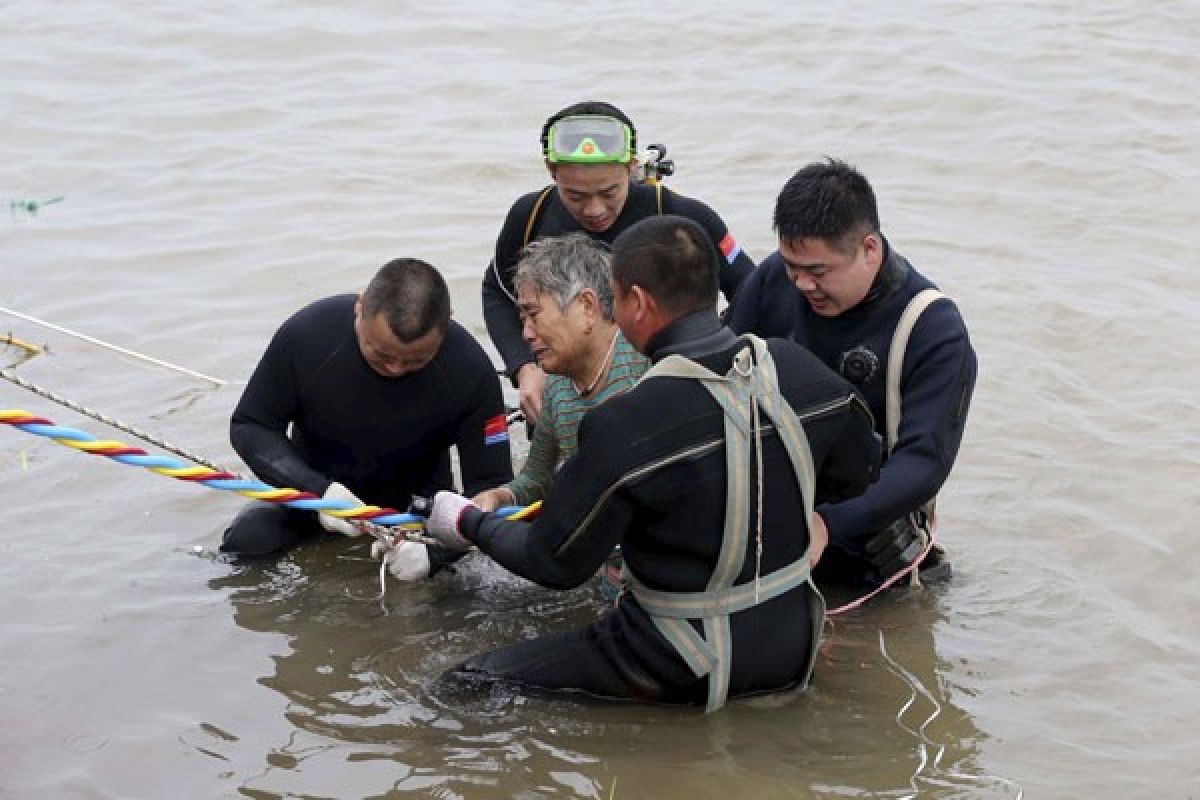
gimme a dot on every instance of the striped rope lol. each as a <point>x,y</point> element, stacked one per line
<point>205,476</point>
<point>132,430</point>
<point>381,522</point>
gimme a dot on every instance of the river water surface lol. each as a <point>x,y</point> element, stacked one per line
<point>223,164</point>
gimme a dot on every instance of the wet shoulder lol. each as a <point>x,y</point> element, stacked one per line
<point>320,321</point>
<point>802,374</point>
<point>462,358</point>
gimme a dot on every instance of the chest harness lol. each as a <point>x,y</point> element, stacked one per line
<point>749,389</point>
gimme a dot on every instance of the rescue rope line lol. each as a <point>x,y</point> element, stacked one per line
<point>206,476</point>
<point>910,570</point>
<point>150,438</point>
<point>113,347</point>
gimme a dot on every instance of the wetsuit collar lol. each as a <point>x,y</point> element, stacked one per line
<point>893,272</point>
<point>696,334</point>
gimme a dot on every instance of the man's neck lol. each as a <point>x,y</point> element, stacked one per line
<point>691,335</point>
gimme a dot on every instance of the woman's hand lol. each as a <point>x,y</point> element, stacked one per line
<point>491,499</point>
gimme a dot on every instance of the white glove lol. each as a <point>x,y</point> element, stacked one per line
<point>443,520</point>
<point>407,561</point>
<point>335,524</point>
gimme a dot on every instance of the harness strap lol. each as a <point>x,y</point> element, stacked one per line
<point>924,516</point>
<point>904,328</point>
<point>751,384</point>
<point>533,215</point>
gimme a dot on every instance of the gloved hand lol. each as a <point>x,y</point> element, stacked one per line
<point>335,524</point>
<point>896,546</point>
<point>443,520</point>
<point>407,561</point>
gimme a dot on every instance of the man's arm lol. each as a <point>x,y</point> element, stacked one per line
<point>575,531</point>
<point>936,393</point>
<point>482,441</point>
<point>537,474</point>
<point>735,264</point>
<point>499,305</point>
<point>852,463</point>
<point>258,428</point>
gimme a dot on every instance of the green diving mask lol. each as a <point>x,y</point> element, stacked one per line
<point>589,139</point>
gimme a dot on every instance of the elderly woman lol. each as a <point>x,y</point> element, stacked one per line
<point>565,301</point>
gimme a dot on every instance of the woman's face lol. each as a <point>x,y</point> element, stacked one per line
<point>557,337</point>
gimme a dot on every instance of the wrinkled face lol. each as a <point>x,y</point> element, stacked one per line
<point>556,337</point>
<point>832,281</point>
<point>593,193</point>
<point>384,351</point>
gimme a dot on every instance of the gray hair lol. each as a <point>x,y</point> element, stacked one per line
<point>563,266</point>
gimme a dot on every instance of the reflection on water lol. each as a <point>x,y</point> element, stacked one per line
<point>361,684</point>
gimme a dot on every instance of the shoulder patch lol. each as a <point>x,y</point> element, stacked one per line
<point>495,430</point>
<point>730,248</point>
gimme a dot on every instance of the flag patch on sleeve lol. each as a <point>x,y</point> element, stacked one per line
<point>730,248</point>
<point>495,430</point>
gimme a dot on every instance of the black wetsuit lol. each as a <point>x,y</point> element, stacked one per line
<point>385,439</point>
<point>650,475</point>
<point>936,385</point>
<point>553,219</point>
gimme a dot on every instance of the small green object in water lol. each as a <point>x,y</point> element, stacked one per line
<point>32,206</point>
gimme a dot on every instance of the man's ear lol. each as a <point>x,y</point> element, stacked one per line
<point>873,249</point>
<point>591,302</point>
<point>644,303</point>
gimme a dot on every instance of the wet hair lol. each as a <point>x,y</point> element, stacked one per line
<point>563,266</point>
<point>591,107</point>
<point>672,258</point>
<point>412,295</point>
<point>828,200</point>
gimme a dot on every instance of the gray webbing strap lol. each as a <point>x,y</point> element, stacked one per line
<point>904,328</point>
<point>751,381</point>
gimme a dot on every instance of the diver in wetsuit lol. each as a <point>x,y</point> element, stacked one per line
<point>837,287</point>
<point>705,473</point>
<point>590,150</point>
<point>362,397</point>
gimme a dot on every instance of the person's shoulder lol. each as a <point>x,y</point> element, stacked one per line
<point>789,352</point>
<point>523,207</point>
<point>461,344</point>
<point>557,390</point>
<point>771,271</point>
<point>766,300</point>
<point>320,313</point>
<point>527,201</point>
<point>625,355</point>
<point>798,366</point>
<point>943,314</point>
<point>693,208</point>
